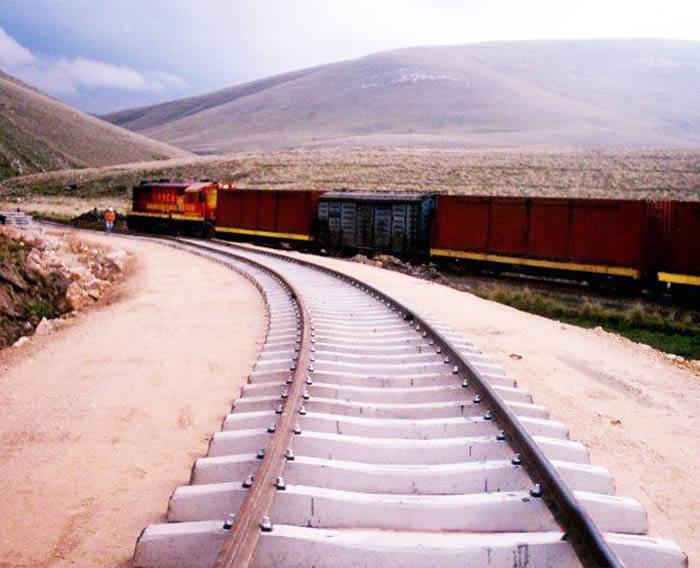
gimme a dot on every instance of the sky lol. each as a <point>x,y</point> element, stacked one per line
<point>105,55</point>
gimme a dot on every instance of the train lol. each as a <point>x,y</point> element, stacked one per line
<point>643,244</point>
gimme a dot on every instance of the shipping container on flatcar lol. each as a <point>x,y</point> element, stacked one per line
<point>173,207</point>
<point>594,236</point>
<point>395,223</point>
<point>680,259</point>
<point>282,215</point>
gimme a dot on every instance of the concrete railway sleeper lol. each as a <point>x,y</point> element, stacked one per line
<point>371,436</point>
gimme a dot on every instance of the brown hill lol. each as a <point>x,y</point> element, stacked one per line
<point>39,133</point>
<point>595,93</point>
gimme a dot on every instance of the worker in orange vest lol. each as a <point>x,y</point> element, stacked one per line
<point>110,218</point>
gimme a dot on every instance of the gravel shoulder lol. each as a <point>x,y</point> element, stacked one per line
<point>104,418</point>
<point>638,413</point>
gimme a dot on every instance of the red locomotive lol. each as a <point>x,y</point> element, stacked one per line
<point>174,207</point>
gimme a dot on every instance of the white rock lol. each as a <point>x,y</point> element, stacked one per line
<point>118,257</point>
<point>45,327</point>
<point>21,341</point>
<point>96,284</point>
<point>77,296</point>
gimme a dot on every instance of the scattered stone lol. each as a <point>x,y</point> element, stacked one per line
<point>516,356</point>
<point>118,257</point>
<point>616,422</point>
<point>389,262</point>
<point>77,296</point>
<point>673,357</point>
<point>45,327</point>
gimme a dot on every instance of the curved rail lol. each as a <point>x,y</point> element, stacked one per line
<point>238,549</point>
<point>244,542</point>
<point>581,531</point>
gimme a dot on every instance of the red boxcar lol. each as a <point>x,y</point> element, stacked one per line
<point>276,214</point>
<point>680,259</point>
<point>610,237</point>
<point>173,206</point>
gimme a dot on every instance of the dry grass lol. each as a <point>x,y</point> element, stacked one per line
<point>649,174</point>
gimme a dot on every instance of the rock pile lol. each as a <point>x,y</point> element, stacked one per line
<point>423,271</point>
<point>94,219</point>
<point>46,275</point>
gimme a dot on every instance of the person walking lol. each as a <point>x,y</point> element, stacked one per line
<point>110,218</point>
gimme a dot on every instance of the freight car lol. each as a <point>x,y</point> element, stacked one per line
<point>271,215</point>
<point>173,207</point>
<point>397,223</point>
<point>593,238</point>
<point>678,225</point>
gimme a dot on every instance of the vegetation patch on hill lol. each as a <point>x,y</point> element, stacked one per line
<point>647,174</point>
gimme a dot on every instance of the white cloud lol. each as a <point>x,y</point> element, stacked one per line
<point>161,80</point>
<point>60,76</point>
<point>12,54</point>
<point>89,73</point>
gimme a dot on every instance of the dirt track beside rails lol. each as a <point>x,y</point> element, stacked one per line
<point>101,421</point>
<point>638,414</point>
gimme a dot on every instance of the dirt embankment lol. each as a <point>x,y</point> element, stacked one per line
<point>44,276</point>
<point>103,419</point>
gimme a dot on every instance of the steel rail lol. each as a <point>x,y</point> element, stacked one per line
<point>239,547</point>
<point>579,529</point>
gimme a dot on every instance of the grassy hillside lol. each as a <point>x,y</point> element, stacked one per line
<point>587,93</point>
<point>632,174</point>
<point>38,133</point>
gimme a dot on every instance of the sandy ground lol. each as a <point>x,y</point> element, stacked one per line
<point>638,414</point>
<point>101,421</point>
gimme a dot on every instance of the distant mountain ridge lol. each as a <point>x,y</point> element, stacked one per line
<point>39,133</point>
<point>583,93</point>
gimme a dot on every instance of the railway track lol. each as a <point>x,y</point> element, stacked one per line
<point>371,436</point>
